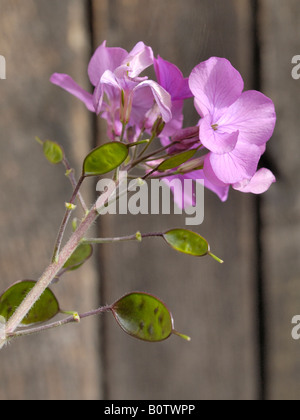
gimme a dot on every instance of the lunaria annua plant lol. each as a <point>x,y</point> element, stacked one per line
<point>223,150</point>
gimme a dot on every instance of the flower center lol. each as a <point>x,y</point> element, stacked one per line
<point>215,127</point>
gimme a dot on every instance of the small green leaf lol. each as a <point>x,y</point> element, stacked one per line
<point>175,161</point>
<point>53,152</point>
<point>43,310</point>
<point>105,159</point>
<point>143,316</point>
<point>188,242</point>
<point>79,257</point>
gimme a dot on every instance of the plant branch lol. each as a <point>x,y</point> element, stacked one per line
<point>65,221</point>
<point>137,237</point>
<point>147,145</point>
<point>75,318</point>
<point>152,155</point>
<point>70,174</point>
<point>50,273</point>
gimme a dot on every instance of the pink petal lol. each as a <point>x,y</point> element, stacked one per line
<point>175,124</point>
<point>214,183</point>
<point>142,103</point>
<point>108,84</point>
<point>109,78</point>
<point>186,199</point>
<point>139,58</point>
<point>161,97</point>
<point>258,184</point>
<point>67,83</point>
<point>253,114</point>
<point>182,197</point>
<point>216,85</point>
<point>165,140</point>
<point>220,189</point>
<point>170,78</point>
<point>217,140</point>
<point>237,165</point>
<point>221,192</point>
<point>98,98</point>
<point>105,59</point>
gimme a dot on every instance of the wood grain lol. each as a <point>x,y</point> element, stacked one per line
<point>37,39</point>
<point>214,304</point>
<point>280,33</point>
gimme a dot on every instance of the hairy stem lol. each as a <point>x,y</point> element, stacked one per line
<point>52,270</point>
<point>69,320</point>
<point>49,274</point>
<point>151,155</point>
<point>136,237</point>
<point>70,174</point>
<point>65,222</point>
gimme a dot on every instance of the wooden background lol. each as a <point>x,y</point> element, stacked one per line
<point>238,314</point>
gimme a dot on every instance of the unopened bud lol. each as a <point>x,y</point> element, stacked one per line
<point>76,317</point>
<point>158,126</point>
<point>186,134</point>
<point>192,165</point>
<point>140,182</point>
<point>184,139</point>
<point>74,224</point>
<point>70,206</point>
<point>68,172</point>
<point>138,236</point>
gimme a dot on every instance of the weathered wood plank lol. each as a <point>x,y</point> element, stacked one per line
<point>214,304</point>
<point>280,33</point>
<point>38,38</point>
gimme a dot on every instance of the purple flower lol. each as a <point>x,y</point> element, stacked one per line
<point>259,183</point>
<point>171,79</point>
<point>234,125</point>
<point>234,128</point>
<point>183,197</point>
<point>120,95</point>
<point>183,139</point>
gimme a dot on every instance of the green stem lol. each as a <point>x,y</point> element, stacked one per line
<point>65,221</point>
<point>147,145</point>
<point>124,124</point>
<point>70,174</point>
<point>137,143</point>
<point>185,337</point>
<point>216,258</point>
<point>163,174</point>
<point>151,155</point>
<point>137,237</point>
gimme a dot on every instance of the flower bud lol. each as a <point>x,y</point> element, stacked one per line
<point>158,126</point>
<point>184,139</point>
<point>191,165</point>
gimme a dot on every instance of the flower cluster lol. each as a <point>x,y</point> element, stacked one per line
<point>233,128</point>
